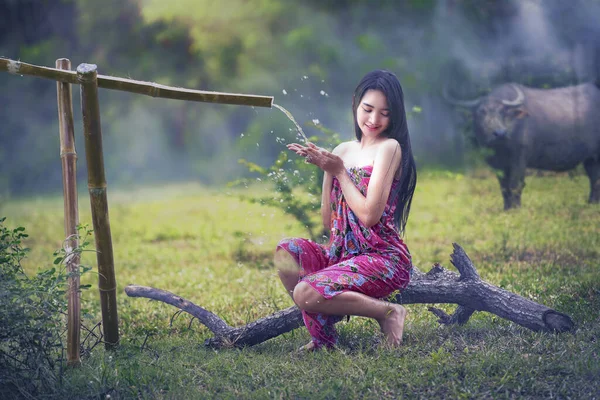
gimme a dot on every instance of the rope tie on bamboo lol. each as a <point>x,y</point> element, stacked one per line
<point>13,67</point>
<point>108,290</point>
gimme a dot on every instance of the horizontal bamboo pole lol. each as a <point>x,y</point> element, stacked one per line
<point>129,85</point>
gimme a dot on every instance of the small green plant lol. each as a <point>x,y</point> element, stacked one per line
<point>290,181</point>
<point>32,315</point>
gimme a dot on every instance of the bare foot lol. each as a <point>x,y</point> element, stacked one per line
<point>307,348</point>
<point>392,325</point>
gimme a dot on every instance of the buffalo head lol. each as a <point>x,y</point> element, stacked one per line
<point>497,117</point>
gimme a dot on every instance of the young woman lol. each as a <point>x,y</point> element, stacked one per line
<point>367,192</point>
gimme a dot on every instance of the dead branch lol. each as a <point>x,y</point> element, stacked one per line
<point>437,286</point>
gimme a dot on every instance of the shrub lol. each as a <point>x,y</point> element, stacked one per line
<point>32,322</point>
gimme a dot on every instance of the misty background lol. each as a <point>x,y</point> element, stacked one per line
<point>308,54</point>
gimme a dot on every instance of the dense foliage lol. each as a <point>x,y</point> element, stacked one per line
<point>32,320</point>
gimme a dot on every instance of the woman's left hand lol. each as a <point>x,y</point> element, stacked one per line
<point>320,157</point>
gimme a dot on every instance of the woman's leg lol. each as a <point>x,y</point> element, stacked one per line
<point>389,316</point>
<point>294,259</point>
<point>321,327</point>
<point>287,269</point>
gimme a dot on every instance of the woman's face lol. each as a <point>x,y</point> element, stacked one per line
<point>373,114</point>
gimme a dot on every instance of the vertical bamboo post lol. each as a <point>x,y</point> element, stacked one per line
<point>68,157</point>
<point>107,285</point>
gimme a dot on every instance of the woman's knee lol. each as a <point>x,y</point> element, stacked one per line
<point>284,261</point>
<point>306,298</point>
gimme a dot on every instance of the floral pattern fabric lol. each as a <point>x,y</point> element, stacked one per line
<point>373,261</point>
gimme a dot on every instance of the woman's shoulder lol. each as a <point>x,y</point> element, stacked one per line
<point>389,147</point>
<point>344,147</point>
<point>389,144</point>
<point>389,152</point>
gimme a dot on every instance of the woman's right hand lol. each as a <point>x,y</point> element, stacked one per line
<point>298,149</point>
<point>320,157</point>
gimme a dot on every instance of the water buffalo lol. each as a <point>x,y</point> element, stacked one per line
<point>548,129</point>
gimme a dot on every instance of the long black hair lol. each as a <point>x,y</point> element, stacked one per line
<point>387,83</point>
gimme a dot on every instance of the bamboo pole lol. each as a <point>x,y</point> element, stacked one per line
<point>68,157</point>
<point>107,284</point>
<point>129,85</point>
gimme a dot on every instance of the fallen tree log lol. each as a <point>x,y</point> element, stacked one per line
<point>439,285</point>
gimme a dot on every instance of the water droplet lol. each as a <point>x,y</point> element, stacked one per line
<point>241,135</point>
<point>316,121</point>
<point>283,91</point>
<point>322,93</point>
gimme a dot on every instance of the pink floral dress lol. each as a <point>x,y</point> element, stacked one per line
<point>373,261</point>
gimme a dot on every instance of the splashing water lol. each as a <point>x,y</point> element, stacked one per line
<point>291,118</point>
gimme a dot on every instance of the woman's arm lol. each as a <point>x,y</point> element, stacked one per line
<point>326,200</point>
<point>369,208</point>
<point>338,151</point>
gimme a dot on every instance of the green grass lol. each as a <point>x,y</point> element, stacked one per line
<point>209,247</point>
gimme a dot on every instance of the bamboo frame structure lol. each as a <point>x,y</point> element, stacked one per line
<point>87,76</point>
<point>68,157</point>
<point>107,284</point>
<point>129,85</point>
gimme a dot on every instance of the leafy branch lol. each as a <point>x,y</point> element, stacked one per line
<point>297,184</point>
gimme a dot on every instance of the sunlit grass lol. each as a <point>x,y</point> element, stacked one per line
<point>215,250</point>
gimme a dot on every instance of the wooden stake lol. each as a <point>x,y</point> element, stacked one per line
<point>68,158</point>
<point>107,284</point>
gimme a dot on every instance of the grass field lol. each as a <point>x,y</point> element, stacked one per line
<point>215,250</point>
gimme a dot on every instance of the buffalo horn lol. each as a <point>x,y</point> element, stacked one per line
<point>518,101</point>
<point>456,102</point>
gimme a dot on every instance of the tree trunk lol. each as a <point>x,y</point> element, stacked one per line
<point>437,286</point>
